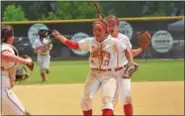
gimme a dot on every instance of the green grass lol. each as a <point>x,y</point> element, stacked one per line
<point>163,70</point>
<point>76,71</point>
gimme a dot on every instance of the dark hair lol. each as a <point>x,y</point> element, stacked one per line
<point>44,33</point>
<point>6,31</point>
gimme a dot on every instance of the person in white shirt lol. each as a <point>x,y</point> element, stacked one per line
<point>103,66</point>
<point>10,60</point>
<point>42,48</point>
<point>124,83</point>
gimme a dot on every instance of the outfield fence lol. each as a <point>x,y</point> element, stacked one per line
<point>167,35</point>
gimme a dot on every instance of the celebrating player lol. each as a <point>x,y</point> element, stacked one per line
<point>10,61</point>
<point>42,47</point>
<point>102,62</point>
<point>125,83</point>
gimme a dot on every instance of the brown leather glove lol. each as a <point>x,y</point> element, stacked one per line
<point>130,69</point>
<point>29,66</point>
<point>144,39</point>
<point>21,74</point>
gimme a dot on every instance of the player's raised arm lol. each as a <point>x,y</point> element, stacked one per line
<point>136,52</point>
<point>126,41</point>
<point>71,44</point>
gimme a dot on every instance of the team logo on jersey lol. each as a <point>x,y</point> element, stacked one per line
<point>126,29</point>
<point>77,37</point>
<point>33,31</point>
<point>162,41</point>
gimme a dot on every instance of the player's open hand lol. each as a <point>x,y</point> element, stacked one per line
<point>55,33</point>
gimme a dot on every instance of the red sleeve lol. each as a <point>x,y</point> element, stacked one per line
<point>72,44</point>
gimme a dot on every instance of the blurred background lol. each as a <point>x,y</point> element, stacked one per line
<point>164,20</point>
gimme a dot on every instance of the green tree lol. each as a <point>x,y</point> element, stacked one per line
<point>33,10</point>
<point>54,10</point>
<point>142,8</point>
<point>156,8</point>
<point>13,13</point>
<point>38,9</point>
<point>123,8</point>
<point>51,16</point>
<point>72,10</point>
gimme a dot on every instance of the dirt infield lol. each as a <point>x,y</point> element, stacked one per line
<point>148,98</point>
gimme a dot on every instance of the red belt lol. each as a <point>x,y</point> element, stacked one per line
<point>106,70</point>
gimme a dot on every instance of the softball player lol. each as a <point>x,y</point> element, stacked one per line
<point>102,62</point>
<point>124,84</point>
<point>10,60</point>
<point>42,50</point>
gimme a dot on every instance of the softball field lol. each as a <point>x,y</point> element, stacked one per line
<point>149,98</point>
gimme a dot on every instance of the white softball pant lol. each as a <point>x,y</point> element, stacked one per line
<point>10,103</point>
<point>124,89</point>
<point>94,81</point>
<point>44,61</point>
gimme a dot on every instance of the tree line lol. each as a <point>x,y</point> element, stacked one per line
<point>62,10</point>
